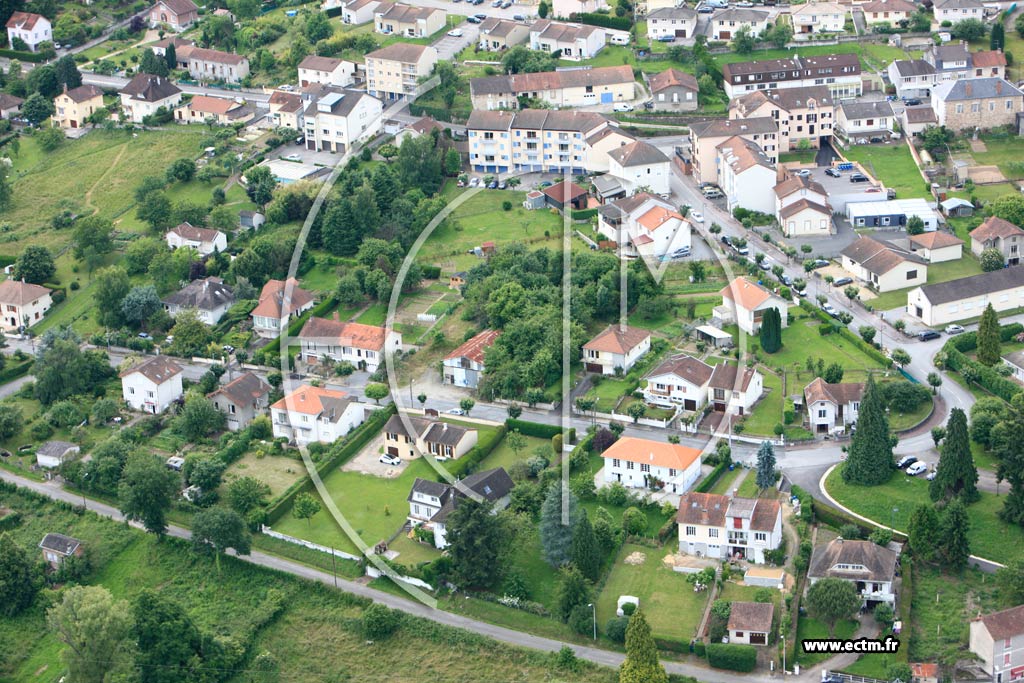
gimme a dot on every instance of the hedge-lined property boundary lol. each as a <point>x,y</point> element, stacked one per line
<point>844,332</point>
<point>957,348</point>
<point>467,463</point>
<point>537,429</point>
<point>732,657</point>
<point>712,478</point>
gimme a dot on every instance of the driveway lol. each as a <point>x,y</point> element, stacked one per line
<point>367,461</point>
<point>449,46</point>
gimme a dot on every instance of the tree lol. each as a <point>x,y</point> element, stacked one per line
<point>869,460</point>
<point>956,543</point>
<point>765,466</point>
<point>743,41</point>
<point>833,373</point>
<point>305,507</point>
<point>851,292</point>
<point>110,288</point>
<point>573,591</point>
<point>641,664</point>
<point>771,331</point>
<point>318,27</point>
<point>1009,207</point>
<point>67,72</point>
<point>37,109</point>
<point>636,410</point>
<point>149,63</point>
<point>388,151</point>
<point>831,600</point>
<point>146,490</point>
<point>542,9</point>
<point>260,184</point>
<point>934,381</point>
<point>92,232</point>
<point>475,542</point>
<point>198,418</point>
<point>924,533</point>
<point>35,264</point>
<point>452,162</point>
<point>376,391</point>
<point>585,553</point>
<point>988,337</point>
<point>6,193</point>
<point>191,334</point>
<point>915,226</point>
<point>18,584</point>
<point>1011,581</point>
<point>968,29</point>
<point>217,529</point>
<point>698,271</point>
<point>11,420</point>
<point>867,333</point>
<point>467,405</point>
<point>379,622</point>
<point>955,476</point>
<point>156,210</point>
<point>780,34</point>
<point>171,56</point>
<point>900,357</point>
<point>63,370</point>
<point>181,171</point>
<point>245,494</point>
<point>516,441</point>
<point>991,259</point>
<point>167,641</point>
<point>555,536</point>
<point>139,304</point>
<point>96,631</point>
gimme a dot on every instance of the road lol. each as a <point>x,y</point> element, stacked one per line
<point>118,82</point>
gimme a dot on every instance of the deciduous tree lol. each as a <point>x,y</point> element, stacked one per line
<point>831,600</point>
<point>146,490</point>
<point>218,528</point>
<point>18,582</point>
<point>96,631</point>
<point>305,507</point>
<point>35,264</point>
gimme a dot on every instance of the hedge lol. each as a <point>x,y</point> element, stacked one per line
<point>10,520</point>
<point>806,503</point>
<point>538,430</point>
<point>321,309</point>
<point>583,214</point>
<point>467,463</point>
<point>968,341</point>
<point>34,57</point>
<point>733,657</point>
<point>604,20</point>
<point>431,272</point>
<point>837,518</point>
<point>988,378</point>
<point>340,453</point>
<point>712,478</point>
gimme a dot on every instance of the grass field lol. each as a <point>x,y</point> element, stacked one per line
<point>991,538</point>
<point>943,607</point>
<point>276,471</point>
<point>940,272</point>
<point>726,482</point>
<point>801,339</point>
<point>1004,151</point>
<point>768,412</point>
<point>812,629</point>
<point>891,164</point>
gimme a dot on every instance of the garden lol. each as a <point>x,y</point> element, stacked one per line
<point>893,165</point>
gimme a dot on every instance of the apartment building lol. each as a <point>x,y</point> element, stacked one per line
<point>335,118</point>
<point>394,72</point>
<point>706,136</point>
<point>566,88</point>
<point>840,73</point>
<point>409,21</point>
<point>317,70</point>
<point>804,113</point>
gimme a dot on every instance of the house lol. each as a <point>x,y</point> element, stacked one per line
<point>746,176</point>
<point>990,63</point>
<point>744,303</point>
<point>431,502</point>
<point>999,234</point>
<point>464,366</point>
<point>279,302</point>
<point>565,9</point>
<point>890,12</point>
<point>22,304</point>
<point>942,303</point>
<point>955,11</point>
<point>315,415</point>
<point>1015,361</point>
<point>642,463</point>
<point>954,61</point>
<point>31,29</point>
<point>912,77</point>
<point>639,165</point>
<point>937,247</point>
<point>576,41</point>
<point>152,385</point>
<point>72,108</point>
<point>145,94</point>
<point>917,118</point>
<point>997,639</point>
<point>883,265</point>
<point>58,547</point>
<point>219,110</point>
<point>892,213</point>
<point>210,298</point>
<point>673,90</point>
<point>705,136</point>
<point>865,120</point>
<point>802,208</point>
<point>286,110</point>
<point>182,48</point>
<point>814,18</point>
<point>750,623</point>
<point>726,23</point>
<point>317,70</point>
<point>10,106</point>
<point>832,407</point>
<point>53,454</point>
<point>840,73</point>
<point>177,15</point>
<point>250,220</point>
<point>422,126</point>
<point>457,280</point>
<point>441,439</point>
<point>968,104</point>
<point>566,193</point>
<point>357,12</point>
<point>678,381</point>
<point>616,349</point>
<point>203,240</point>
<point>557,89</point>
<point>242,400</point>
<point>671,22</point>
<point>500,34</point>
<point>806,113</point>
<point>206,66</point>
<point>924,672</point>
<point>644,225</point>
<point>408,21</point>
<point>867,565</point>
<point>361,345</point>
<point>728,527</point>
<point>394,72</point>
<point>337,119</point>
<point>733,392</point>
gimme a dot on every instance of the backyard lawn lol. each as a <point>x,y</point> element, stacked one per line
<point>1004,151</point>
<point>940,272</point>
<point>943,606</point>
<point>768,411</point>
<point>726,482</point>
<point>812,629</point>
<point>801,339</point>
<point>891,164</point>
<point>276,471</point>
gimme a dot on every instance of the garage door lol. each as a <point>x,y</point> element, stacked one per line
<point>594,367</point>
<point>689,404</point>
<point>606,98</point>
<point>725,35</point>
<point>758,639</point>
<point>680,33</point>
<point>393,450</point>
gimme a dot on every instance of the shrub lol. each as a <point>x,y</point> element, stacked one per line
<point>615,629</point>
<point>379,622</point>
<point>732,657</point>
<point>581,619</point>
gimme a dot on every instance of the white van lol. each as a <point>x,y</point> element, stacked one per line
<point>619,39</point>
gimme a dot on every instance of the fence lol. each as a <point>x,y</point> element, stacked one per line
<point>375,573</point>
<point>309,544</point>
<point>628,419</point>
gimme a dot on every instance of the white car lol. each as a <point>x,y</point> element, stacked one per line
<point>456,411</point>
<point>695,217</point>
<point>293,157</point>
<point>455,33</point>
<point>474,182</point>
<point>389,459</point>
<point>623,106</point>
<point>917,468</point>
<point>830,309</point>
<point>954,329</point>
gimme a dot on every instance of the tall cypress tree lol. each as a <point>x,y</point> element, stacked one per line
<point>988,337</point>
<point>869,460</point>
<point>956,474</point>
<point>171,56</point>
<point>765,466</point>
<point>556,537</point>
<point>585,554</point>
<point>771,331</point>
<point>641,664</point>
<point>956,527</point>
<point>924,533</point>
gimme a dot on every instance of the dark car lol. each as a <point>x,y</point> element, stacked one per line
<point>493,185</point>
<point>906,461</point>
<point>726,241</point>
<point>843,281</point>
<point>834,172</point>
<point>473,20</point>
<point>858,178</point>
<point>928,335</point>
<point>912,102</point>
<point>820,263</point>
<point>481,16</point>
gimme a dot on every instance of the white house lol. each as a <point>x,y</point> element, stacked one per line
<point>883,265</point>
<point>679,380</point>
<point>801,206</point>
<point>30,28</point>
<point>644,225</point>
<point>731,392</point>
<point>954,11</point>
<point>723,527</point>
<point>746,176</point>
<point>361,345</point>
<point>431,502</point>
<point>641,165</point>
<point>564,9</point>
<point>937,246</point>
<point>674,22</point>
<point>887,11</point>
<point>440,439</point>
<point>316,70</point>
<point>242,400</point>
<point>617,348</point>
<point>1015,361</point>
<point>210,298</point>
<point>817,17</point>
<point>865,120</point>
<point>203,240</point>
<point>337,119</point>
<point>464,366</point>
<point>357,12</point>
<point>409,21</point>
<point>892,213</point>
<point>997,639</point>
<point>744,303</point>
<point>750,623</point>
<point>576,41</point>
<point>867,565</point>
<point>152,385</point>
<point>146,94</point>
<point>279,302</point>
<point>832,407</point>
<point>912,77</point>
<point>727,22</point>
<point>642,463</point>
<point>53,454</point>
<point>948,302</point>
<point>22,304</point>
<point>315,415</point>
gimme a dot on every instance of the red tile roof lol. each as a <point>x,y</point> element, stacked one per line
<point>475,347</point>
<point>616,339</point>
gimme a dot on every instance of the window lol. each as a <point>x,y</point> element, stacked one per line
<point>960,108</point>
<point>760,536</point>
<point>629,465</point>
<point>672,473</point>
<point>911,274</point>
<point>1006,659</point>
<point>822,413</point>
<point>644,467</point>
<point>616,462</point>
<point>149,394</point>
<point>712,533</point>
<point>691,531</point>
<point>1006,644</point>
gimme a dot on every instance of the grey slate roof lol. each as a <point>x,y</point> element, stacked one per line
<point>739,14</point>
<point>59,543</point>
<point>638,153</point>
<point>913,67</point>
<point>975,89</point>
<point>673,14</point>
<point>150,88</point>
<point>206,295</point>
<point>879,562</point>
<point>866,110</point>
<point>729,127</point>
<point>55,449</point>
<point>975,285</point>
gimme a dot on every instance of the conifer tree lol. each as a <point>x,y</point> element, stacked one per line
<point>955,474</point>
<point>641,664</point>
<point>869,461</point>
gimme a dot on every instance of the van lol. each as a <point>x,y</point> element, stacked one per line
<point>619,39</point>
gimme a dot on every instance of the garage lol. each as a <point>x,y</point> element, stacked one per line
<point>594,367</point>
<point>689,404</point>
<point>719,407</point>
<point>393,450</point>
<point>758,638</point>
<point>607,98</point>
<point>725,35</point>
<point>680,33</point>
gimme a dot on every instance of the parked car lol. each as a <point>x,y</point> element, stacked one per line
<point>228,348</point>
<point>928,335</point>
<point>519,17</point>
<point>480,15</point>
<point>804,173</point>
<point>906,461</point>
<point>682,252</point>
<point>623,106</point>
<point>726,241</point>
<point>834,172</point>
<point>695,217</point>
<point>456,411</point>
<point>858,178</point>
<point>765,265</point>
<point>820,263</point>
<point>496,3</point>
<point>704,9</point>
<point>293,157</point>
<point>843,281</point>
<point>917,468</point>
<point>742,251</point>
<point>912,102</point>
<point>932,475</point>
<point>493,185</point>
<point>954,329</point>
<point>455,33</point>
<point>786,280</point>
<point>143,335</point>
<point>389,459</point>
<point>830,309</point>
<point>473,20</point>
<point>502,185</point>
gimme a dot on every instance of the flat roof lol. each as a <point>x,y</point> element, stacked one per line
<point>713,331</point>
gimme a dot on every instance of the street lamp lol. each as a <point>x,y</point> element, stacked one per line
<point>85,475</point>
<point>892,518</point>
<point>593,610</point>
<point>411,382</point>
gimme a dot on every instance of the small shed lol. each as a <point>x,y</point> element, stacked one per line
<point>765,577</point>
<point>250,220</point>
<point>457,280</point>
<point>58,547</point>
<point>714,336</point>
<point>53,454</point>
<point>957,207</point>
<point>607,188</point>
<point>534,200</point>
<point>564,194</point>
<point>488,248</point>
<point>750,623</point>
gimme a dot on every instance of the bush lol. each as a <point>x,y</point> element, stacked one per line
<point>712,478</point>
<point>732,657</point>
<point>581,620</point>
<point>379,622</point>
<point>615,629</point>
<point>526,428</point>
<point>467,463</point>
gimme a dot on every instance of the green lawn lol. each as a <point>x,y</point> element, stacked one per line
<point>943,607</point>
<point>801,339</point>
<point>748,488</point>
<point>276,471</point>
<point>1004,151</point>
<point>802,157</point>
<point>901,421</point>
<point>411,552</point>
<point>768,412</point>
<point>608,393</point>
<point>991,538</point>
<point>725,483</point>
<point>982,458</point>
<point>504,456</point>
<point>374,315</point>
<point>940,272</point>
<point>668,601</point>
<point>891,164</point>
<point>812,629</point>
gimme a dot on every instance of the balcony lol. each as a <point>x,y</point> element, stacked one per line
<point>738,539</point>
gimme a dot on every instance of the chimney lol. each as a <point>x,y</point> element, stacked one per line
<point>999,87</point>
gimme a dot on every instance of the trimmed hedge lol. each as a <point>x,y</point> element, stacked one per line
<point>732,657</point>
<point>956,347</point>
<point>341,451</point>
<point>537,429</point>
<point>846,334</point>
<point>968,341</point>
<point>583,214</point>
<point>837,518</point>
<point>806,503</point>
<point>467,463</point>
<point>604,20</point>
<point>34,57</point>
<point>712,478</point>
<point>14,371</point>
<point>431,272</point>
